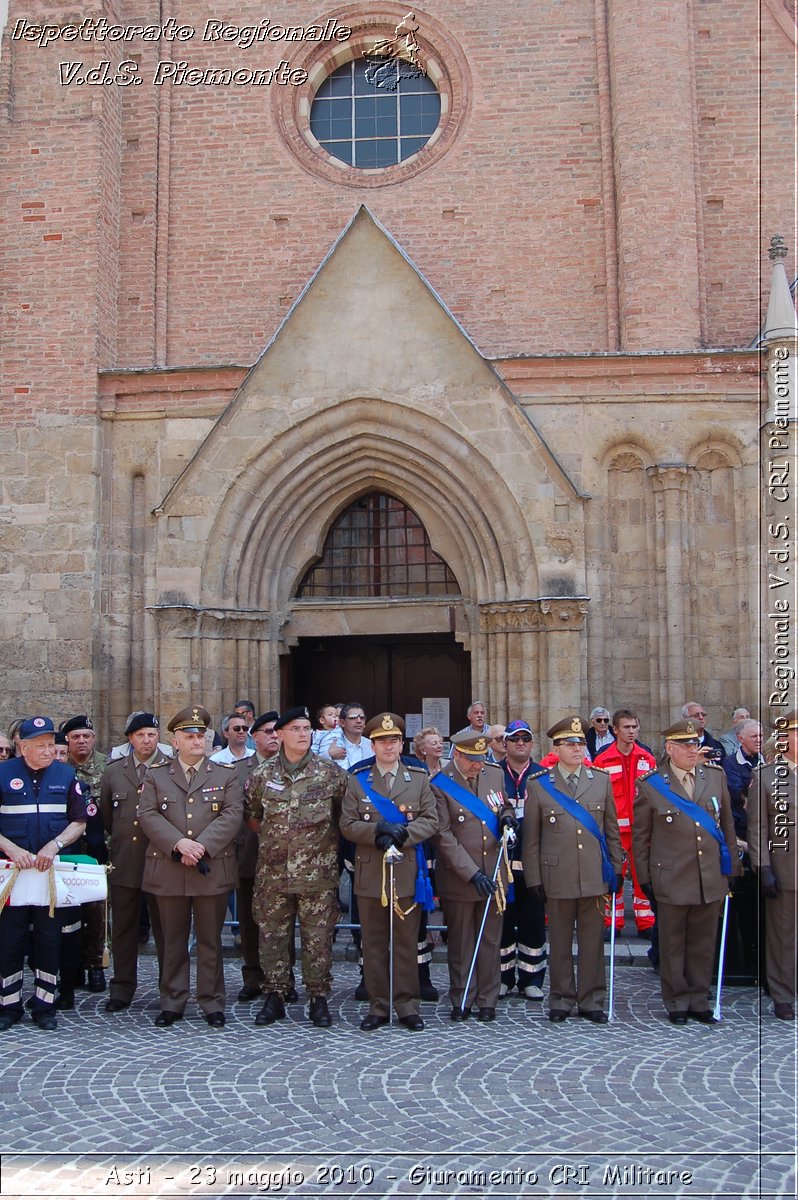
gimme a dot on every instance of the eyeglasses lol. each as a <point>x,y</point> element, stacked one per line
<point>355,717</point>
<point>238,728</point>
<point>602,720</point>
<point>519,737</point>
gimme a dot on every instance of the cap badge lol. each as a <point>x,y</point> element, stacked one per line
<point>195,716</point>
<point>387,723</point>
<point>38,722</point>
<point>576,725</point>
<point>480,745</point>
<point>690,727</point>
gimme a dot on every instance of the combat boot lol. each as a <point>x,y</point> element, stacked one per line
<point>273,1010</point>
<point>319,1013</point>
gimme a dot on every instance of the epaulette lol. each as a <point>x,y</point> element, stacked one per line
<point>418,770</point>
<point>653,771</point>
<point>714,766</point>
<point>593,767</point>
<point>360,767</point>
<point>537,775</point>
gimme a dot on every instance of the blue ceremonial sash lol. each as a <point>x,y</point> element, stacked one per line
<point>478,808</point>
<point>696,813</point>
<point>389,812</point>
<point>581,814</point>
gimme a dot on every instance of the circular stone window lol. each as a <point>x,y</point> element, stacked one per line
<point>370,114</point>
<point>365,118</point>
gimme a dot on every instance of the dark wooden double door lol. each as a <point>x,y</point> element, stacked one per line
<point>383,674</point>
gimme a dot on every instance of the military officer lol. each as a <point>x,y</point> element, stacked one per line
<point>685,850</point>
<point>89,765</point>
<point>772,826</point>
<point>42,812</point>
<point>267,744</point>
<point>120,787</point>
<point>190,810</point>
<point>572,858</point>
<point>293,802</point>
<point>390,804</point>
<point>473,812</point>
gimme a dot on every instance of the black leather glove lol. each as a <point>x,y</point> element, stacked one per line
<point>618,885</point>
<point>648,892</point>
<point>538,891</point>
<point>508,820</point>
<point>768,883</point>
<point>397,833</point>
<point>485,886</point>
<point>382,841</point>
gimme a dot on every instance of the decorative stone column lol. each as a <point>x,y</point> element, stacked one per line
<point>214,656</point>
<point>535,656</point>
<point>670,482</point>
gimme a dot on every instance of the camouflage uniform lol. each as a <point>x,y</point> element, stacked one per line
<point>297,871</point>
<point>92,916</point>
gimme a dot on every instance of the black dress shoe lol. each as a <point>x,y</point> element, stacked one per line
<point>319,1013</point>
<point>273,1010</point>
<point>595,1015</point>
<point>65,999</point>
<point>248,993</point>
<point>167,1018</point>
<point>784,1012</point>
<point>677,1018</point>
<point>428,991</point>
<point>116,1005</point>
<point>216,1020</point>
<point>557,1015</point>
<point>291,996</point>
<point>96,981</point>
<point>361,991</point>
<point>45,1020</point>
<point>706,1017</point>
<point>7,1019</point>
<point>412,1021</point>
<point>372,1021</point>
<point>460,1014</point>
<point>486,1014</point>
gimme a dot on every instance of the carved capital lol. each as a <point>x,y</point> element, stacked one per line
<point>666,477</point>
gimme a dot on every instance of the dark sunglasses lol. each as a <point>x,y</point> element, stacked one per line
<point>519,737</point>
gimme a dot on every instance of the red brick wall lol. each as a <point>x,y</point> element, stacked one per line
<point>201,239</point>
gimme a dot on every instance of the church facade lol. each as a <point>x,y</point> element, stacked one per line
<point>481,421</point>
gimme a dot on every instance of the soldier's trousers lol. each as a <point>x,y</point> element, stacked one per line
<point>14,924</point>
<point>780,947</point>
<point>276,913</point>
<point>463,918</point>
<point>125,921</point>
<point>92,917</point>
<point>523,938</point>
<point>375,929</point>
<point>251,970</point>
<point>176,913</point>
<point>687,937</point>
<point>588,988</point>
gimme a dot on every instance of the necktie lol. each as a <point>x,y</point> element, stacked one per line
<point>571,781</point>
<point>689,784</point>
<point>190,773</point>
<point>140,769</point>
<point>472,783</point>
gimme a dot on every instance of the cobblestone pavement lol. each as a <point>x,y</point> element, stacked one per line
<point>518,1107</point>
